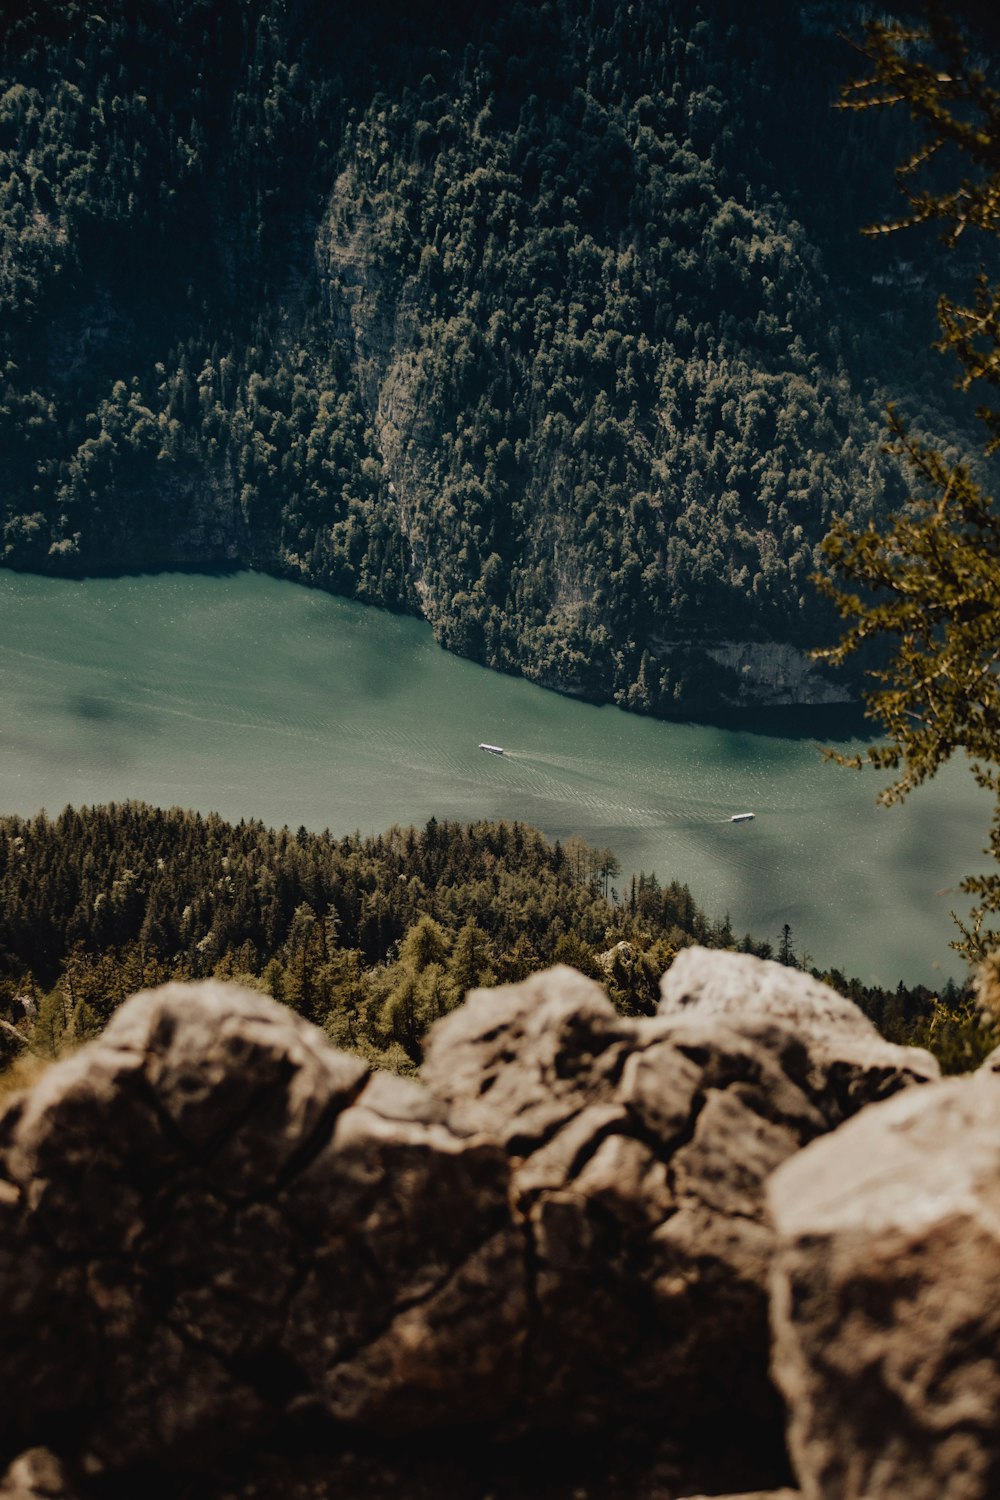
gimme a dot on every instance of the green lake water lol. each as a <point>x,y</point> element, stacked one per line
<point>257,698</point>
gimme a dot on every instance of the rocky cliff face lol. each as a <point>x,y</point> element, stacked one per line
<point>378,323</point>
<point>774,673</point>
<point>233,1262</point>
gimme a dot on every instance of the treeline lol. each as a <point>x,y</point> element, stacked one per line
<point>948,1020</point>
<point>537,319</point>
<point>370,938</point>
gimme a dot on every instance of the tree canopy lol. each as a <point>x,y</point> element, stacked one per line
<point>370,938</point>
<point>535,319</point>
<point>928,582</point>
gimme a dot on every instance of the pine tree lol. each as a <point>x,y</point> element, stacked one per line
<point>927,584</point>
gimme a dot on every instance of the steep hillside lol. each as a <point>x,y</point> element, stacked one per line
<point>550,322</point>
<point>371,938</point>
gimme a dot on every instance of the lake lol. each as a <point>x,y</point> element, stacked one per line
<point>257,698</point>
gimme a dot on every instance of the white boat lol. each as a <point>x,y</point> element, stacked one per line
<point>742,817</point>
<point>495,749</point>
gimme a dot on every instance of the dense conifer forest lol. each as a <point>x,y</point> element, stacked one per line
<point>541,320</point>
<point>370,938</point>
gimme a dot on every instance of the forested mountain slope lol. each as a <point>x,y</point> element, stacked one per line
<point>371,938</point>
<point>548,321</point>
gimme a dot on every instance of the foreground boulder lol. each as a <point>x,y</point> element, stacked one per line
<point>217,1234</point>
<point>210,1216</point>
<point>640,1151</point>
<point>843,1063</point>
<point>886,1300</point>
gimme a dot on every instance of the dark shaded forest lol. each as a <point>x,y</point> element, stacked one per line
<point>540,320</point>
<point>371,938</point>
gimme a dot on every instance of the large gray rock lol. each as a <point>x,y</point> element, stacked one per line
<point>847,1064</point>
<point>210,1216</point>
<point>217,1232</point>
<point>886,1300</point>
<point>640,1151</point>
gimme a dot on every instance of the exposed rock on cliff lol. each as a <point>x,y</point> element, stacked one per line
<point>886,1300</point>
<point>774,672</point>
<point>217,1232</point>
<point>759,673</point>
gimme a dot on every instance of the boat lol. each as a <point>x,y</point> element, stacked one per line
<point>495,749</point>
<point>742,817</point>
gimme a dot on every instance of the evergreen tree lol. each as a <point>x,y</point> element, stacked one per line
<point>928,582</point>
<point>474,904</point>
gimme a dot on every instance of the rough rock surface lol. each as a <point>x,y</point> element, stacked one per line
<point>210,1216</point>
<point>757,1495</point>
<point>640,1150</point>
<point>886,1300</point>
<point>848,1065</point>
<point>774,672</point>
<point>219,1236</point>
